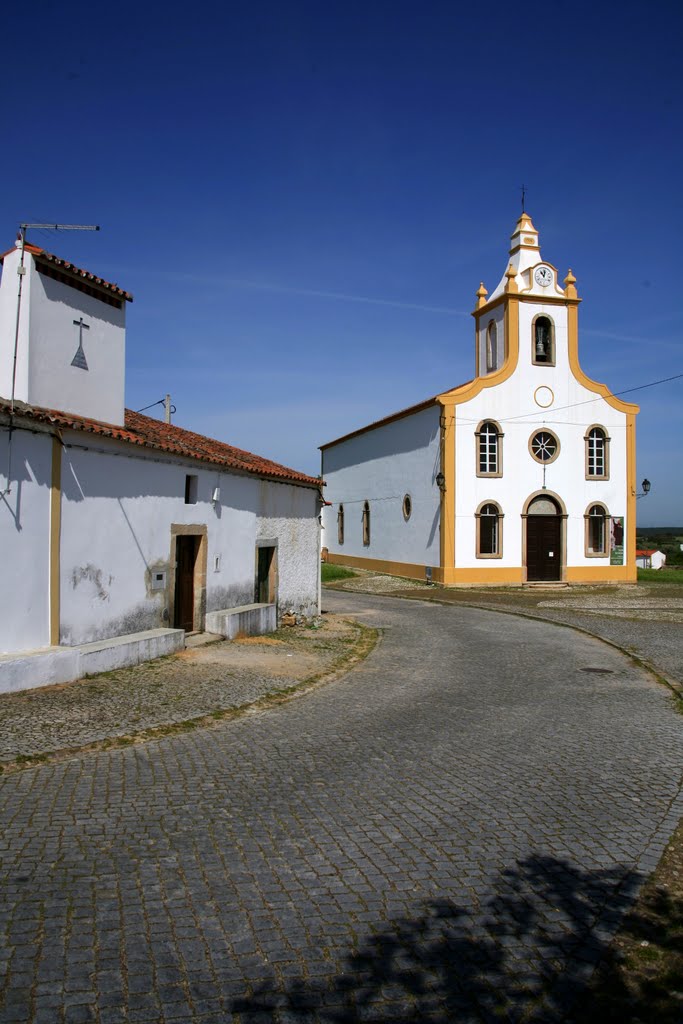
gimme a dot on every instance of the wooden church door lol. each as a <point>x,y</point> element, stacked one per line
<point>544,541</point>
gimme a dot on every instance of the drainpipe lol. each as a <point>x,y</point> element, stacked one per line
<point>319,585</point>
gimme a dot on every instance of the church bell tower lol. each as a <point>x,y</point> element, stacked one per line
<point>528,303</point>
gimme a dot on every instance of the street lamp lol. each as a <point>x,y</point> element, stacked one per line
<point>441,481</point>
<point>646,485</point>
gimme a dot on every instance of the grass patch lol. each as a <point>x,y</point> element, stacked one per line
<point>329,572</point>
<point>661,576</point>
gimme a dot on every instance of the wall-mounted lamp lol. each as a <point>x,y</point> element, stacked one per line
<point>441,481</point>
<point>646,485</point>
<point>216,496</point>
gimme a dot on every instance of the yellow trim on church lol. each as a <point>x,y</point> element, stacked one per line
<point>592,385</point>
<point>447,517</point>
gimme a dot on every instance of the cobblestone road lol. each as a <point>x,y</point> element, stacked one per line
<point>451,830</point>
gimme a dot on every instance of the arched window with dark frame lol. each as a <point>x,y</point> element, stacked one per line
<point>340,525</point>
<point>596,531</point>
<point>597,452</point>
<point>489,449</point>
<point>366,524</point>
<point>489,530</point>
<point>543,341</point>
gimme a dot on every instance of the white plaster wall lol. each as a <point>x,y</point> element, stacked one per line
<point>117,513</point>
<point>9,287</point>
<point>24,541</point>
<point>512,405</point>
<point>381,466</point>
<point>97,392</point>
<point>290,515</point>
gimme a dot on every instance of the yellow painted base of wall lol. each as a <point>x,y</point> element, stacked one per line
<point>486,576</point>
<point>407,569</point>
<point>602,574</point>
<point>491,576</point>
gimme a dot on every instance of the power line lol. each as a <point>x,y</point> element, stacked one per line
<point>574,405</point>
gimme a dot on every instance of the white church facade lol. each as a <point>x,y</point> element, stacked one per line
<point>524,474</point>
<point>120,532</point>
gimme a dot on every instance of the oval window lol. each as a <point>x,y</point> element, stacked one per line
<point>407,507</point>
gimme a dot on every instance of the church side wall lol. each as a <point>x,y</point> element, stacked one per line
<point>25,541</point>
<point>381,466</point>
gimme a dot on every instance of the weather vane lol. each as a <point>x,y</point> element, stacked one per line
<point>523,190</point>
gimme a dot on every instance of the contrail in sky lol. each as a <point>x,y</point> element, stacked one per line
<point>287,290</point>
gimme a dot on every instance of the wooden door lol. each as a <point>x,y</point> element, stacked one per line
<point>543,550</point>
<point>264,570</point>
<point>186,556</point>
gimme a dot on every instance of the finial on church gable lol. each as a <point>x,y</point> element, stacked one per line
<point>511,282</point>
<point>569,286</point>
<point>481,296</point>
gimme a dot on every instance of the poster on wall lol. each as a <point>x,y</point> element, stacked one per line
<point>616,547</point>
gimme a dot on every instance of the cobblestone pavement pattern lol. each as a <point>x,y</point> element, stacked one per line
<point>449,832</point>
<point>170,691</point>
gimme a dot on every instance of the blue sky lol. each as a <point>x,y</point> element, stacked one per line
<point>304,197</point>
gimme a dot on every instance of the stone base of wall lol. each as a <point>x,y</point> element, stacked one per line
<point>245,620</point>
<point>26,670</point>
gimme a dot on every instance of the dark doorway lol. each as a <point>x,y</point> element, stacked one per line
<point>186,558</point>
<point>265,575</point>
<point>543,547</point>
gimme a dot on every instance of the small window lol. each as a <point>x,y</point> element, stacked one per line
<point>191,489</point>
<point>596,531</point>
<point>489,449</point>
<point>340,525</point>
<point>543,341</point>
<point>544,446</point>
<point>491,346</point>
<point>366,524</point>
<point>489,530</point>
<point>597,450</point>
<point>407,507</point>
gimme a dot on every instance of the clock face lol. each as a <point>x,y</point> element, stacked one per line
<point>543,276</point>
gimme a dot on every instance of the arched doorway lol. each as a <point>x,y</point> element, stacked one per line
<point>544,542</point>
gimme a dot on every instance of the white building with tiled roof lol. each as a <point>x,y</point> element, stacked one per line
<point>524,474</point>
<point>120,532</point>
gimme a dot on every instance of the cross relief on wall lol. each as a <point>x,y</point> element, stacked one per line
<point>79,359</point>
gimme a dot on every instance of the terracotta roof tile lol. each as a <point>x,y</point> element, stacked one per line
<point>151,433</point>
<point>71,270</point>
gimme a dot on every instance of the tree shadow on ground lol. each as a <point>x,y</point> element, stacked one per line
<point>526,955</point>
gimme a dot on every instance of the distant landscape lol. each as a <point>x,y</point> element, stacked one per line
<point>664,538</point>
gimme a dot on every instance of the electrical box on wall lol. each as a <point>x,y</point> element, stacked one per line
<point>158,580</point>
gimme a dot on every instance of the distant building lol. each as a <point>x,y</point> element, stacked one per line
<point>525,473</point>
<point>114,524</point>
<point>650,558</point>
